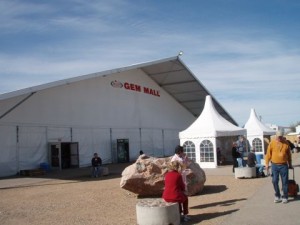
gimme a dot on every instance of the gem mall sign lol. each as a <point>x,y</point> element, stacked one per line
<point>135,87</point>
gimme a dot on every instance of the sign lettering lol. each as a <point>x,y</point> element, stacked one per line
<point>135,87</point>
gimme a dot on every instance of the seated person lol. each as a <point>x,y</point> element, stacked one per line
<point>251,162</point>
<point>175,189</point>
<point>241,149</point>
<point>96,165</point>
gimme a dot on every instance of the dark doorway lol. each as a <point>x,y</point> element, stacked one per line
<point>123,150</point>
<point>64,155</point>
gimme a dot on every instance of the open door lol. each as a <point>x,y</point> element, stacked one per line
<point>63,155</point>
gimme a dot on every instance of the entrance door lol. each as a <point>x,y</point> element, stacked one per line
<point>74,160</point>
<point>63,155</point>
<point>123,150</point>
<point>55,155</point>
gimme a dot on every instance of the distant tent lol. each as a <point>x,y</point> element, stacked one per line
<point>209,131</point>
<point>258,134</point>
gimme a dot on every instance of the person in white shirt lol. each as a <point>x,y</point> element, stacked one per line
<point>182,158</point>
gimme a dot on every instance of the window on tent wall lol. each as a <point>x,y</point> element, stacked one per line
<point>257,145</point>
<point>189,149</point>
<point>206,151</point>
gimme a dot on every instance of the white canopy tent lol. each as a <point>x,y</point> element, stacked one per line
<point>258,134</point>
<point>207,133</point>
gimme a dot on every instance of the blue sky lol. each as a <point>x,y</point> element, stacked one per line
<point>246,53</point>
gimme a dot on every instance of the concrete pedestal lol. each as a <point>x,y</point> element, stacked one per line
<point>245,172</point>
<point>155,211</point>
<point>105,171</point>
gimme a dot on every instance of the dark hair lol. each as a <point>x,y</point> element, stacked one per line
<point>178,149</point>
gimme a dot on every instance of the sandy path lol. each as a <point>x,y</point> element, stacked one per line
<point>75,198</point>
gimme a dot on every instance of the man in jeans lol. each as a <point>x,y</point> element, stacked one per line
<point>279,154</point>
<point>96,165</point>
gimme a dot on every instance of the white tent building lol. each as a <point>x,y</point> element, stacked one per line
<point>209,131</point>
<point>258,135</point>
<point>115,113</point>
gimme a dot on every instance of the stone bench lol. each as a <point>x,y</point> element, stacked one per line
<point>244,172</point>
<point>105,171</point>
<point>155,211</point>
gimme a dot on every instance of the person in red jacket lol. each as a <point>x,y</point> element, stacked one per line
<point>175,188</point>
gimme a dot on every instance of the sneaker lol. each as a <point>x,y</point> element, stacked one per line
<point>277,199</point>
<point>186,218</point>
<point>284,200</point>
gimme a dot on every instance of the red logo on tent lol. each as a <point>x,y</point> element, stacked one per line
<point>116,84</point>
<point>135,87</point>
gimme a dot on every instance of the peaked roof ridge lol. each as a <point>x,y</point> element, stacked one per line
<point>211,112</point>
<point>210,124</point>
<point>255,127</point>
<point>70,80</point>
<point>170,74</point>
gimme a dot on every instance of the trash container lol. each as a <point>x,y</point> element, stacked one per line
<point>45,166</point>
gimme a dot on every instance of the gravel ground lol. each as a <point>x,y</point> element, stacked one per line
<point>73,197</point>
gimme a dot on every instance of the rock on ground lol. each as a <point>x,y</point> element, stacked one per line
<point>146,176</point>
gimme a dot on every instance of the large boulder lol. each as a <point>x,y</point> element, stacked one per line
<point>146,176</point>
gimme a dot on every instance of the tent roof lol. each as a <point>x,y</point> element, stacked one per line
<point>211,124</point>
<point>255,127</point>
<point>170,74</point>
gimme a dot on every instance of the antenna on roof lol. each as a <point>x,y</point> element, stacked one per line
<point>180,53</point>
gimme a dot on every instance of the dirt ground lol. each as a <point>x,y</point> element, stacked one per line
<point>73,197</point>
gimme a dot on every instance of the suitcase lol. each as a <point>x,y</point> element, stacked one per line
<point>293,186</point>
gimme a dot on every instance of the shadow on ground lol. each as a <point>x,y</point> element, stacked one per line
<point>72,175</point>
<point>212,189</point>
<point>223,203</point>
<point>195,219</point>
